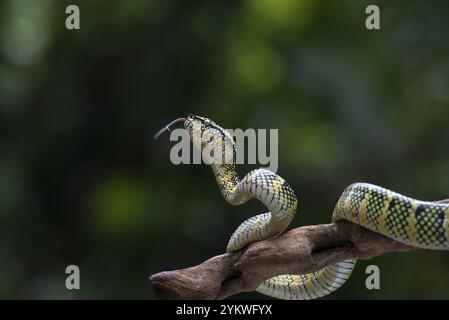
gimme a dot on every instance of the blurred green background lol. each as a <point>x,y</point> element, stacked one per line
<point>82,182</point>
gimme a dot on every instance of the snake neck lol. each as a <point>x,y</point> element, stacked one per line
<point>228,182</point>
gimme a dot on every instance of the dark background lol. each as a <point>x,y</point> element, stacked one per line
<point>82,182</point>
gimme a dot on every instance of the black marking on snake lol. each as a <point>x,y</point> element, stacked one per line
<point>272,198</point>
<point>431,231</point>
<point>301,292</point>
<point>307,292</point>
<point>335,274</point>
<point>258,234</point>
<point>323,285</point>
<point>341,267</point>
<point>328,275</point>
<point>327,283</point>
<point>324,288</point>
<point>316,284</point>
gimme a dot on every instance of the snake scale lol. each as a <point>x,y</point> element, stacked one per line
<point>409,221</point>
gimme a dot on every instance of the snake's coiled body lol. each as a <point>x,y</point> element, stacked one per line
<point>416,223</point>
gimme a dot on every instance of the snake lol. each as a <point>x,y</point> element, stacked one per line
<point>409,221</point>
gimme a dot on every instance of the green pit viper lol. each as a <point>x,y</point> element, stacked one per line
<point>409,221</point>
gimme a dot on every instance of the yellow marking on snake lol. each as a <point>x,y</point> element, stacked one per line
<point>409,221</point>
<point>382,222</point>
<point>362,209</point>
<point>412,232</point>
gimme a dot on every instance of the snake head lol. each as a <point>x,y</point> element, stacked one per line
<point>204,133</point>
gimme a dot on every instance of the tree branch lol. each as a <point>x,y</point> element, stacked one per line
<point>299,251</point>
